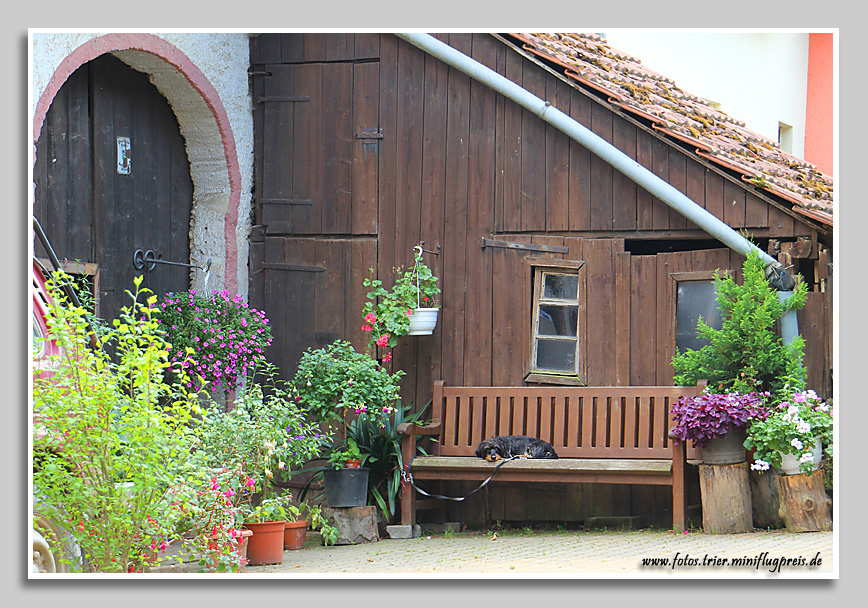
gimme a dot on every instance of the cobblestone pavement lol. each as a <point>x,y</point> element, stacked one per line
<point>570,554</point>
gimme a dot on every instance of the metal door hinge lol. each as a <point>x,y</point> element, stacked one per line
<point>370,133</point>
<point>271,98</point>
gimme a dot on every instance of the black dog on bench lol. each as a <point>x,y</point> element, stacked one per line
<point>509,446</point>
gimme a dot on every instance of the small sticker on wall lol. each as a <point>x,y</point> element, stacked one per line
<point>124,156</point>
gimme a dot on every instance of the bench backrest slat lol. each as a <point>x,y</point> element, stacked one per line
<point>580,422</point>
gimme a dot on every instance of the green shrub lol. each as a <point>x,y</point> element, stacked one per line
<point>746,355</point>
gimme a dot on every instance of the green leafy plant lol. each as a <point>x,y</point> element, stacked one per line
<point>792,428</point>
<point>380,446</point>
<point>334,381</point>
<point>273,508</point>
<point>110,434</point>
<point>746,355</point>
<point>344,452</point>
<point>219,340</point>
<point>387,314</point>
<point>265,432</point>
<point>316,520</point>
<point>206,518</point>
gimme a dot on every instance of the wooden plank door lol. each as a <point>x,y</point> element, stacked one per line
<point>316,158</point>
<point>112,177</point>
<point>317,133</point>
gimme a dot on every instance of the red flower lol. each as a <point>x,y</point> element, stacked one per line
<point>387,357</point>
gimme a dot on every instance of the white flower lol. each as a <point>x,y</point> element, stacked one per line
<point>803,427</point>
<point>760,465</point>
<point>281,465</point>
<point>796,443</point>
<point>807,457</point>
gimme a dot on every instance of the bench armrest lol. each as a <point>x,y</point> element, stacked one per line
<point>409,428</point>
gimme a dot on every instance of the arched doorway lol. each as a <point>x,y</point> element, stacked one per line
<point>112,178</point>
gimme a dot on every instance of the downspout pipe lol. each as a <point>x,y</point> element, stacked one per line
<point>667,193</point>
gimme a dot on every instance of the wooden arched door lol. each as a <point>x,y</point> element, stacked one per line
<point>112,178</point>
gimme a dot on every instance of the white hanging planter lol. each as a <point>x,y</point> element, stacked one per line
<point>790,464</point>
<point>423,321</point>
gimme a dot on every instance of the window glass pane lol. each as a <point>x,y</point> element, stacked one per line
<point>558,320</point>
<point>695,299</point>
<point>556,355</point>
<point>561,287</point>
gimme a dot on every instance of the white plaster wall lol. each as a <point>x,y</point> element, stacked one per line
<point>223,58</point>
<point>759,78</point>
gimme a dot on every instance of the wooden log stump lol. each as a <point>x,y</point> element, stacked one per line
<point>355,525</point>
<point>726,501</point>
<point>764,499</point>
<point>805,506</point>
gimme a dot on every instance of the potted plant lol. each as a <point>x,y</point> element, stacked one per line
<point>267,520</point>
<point>219,340</point>
<point>266,432</point>
<point>333,383</point>
<point>296,527</point>
<point>380,447</point>
<point>717,423</point>
<point>793,437</point>
<point>410,308</point>
<point>347,455</point>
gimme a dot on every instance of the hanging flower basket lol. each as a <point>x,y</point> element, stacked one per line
<point>423,321</point>
<point>409,309</point>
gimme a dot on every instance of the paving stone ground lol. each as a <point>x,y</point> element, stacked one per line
<point>570,554</point>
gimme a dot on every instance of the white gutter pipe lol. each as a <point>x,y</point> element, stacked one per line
<point>609,153</point>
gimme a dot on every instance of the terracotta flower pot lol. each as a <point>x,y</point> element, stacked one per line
<point>294,535</point>
<point>353,463</point>
<point>266,544</point>
<point>243,541</point>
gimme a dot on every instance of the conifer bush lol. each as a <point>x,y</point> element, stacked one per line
<point>746,355</point>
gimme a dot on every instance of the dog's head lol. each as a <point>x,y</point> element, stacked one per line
<point>489,450</point>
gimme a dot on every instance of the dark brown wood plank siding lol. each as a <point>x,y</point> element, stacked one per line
<point>458,162</point>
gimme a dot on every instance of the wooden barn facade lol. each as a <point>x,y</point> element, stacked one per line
<point>366,146</point>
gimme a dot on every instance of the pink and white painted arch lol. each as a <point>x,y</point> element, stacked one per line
<point>203,120</point>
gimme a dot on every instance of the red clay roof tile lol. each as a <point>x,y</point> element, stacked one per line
<point>587,59</point>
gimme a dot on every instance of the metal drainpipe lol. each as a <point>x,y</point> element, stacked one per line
<point>609,153</point>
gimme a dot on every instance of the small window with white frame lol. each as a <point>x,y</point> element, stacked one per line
<point>557,323</point>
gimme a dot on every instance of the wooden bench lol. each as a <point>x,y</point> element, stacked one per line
<point>609,434</point>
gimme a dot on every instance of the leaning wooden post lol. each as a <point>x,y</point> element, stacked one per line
<point>804,505</point>
<point>726,503</point>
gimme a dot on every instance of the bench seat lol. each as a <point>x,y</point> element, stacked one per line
<point>581,470</point>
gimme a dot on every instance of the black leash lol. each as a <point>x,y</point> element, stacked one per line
<point>408,478</point>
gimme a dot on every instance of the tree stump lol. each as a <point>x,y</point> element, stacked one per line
<point>764,499</point>
<point>355,525</point>
<point>726,502</point>
<point>805,507</point>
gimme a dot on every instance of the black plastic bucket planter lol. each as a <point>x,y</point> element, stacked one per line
<point>346,487</point>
